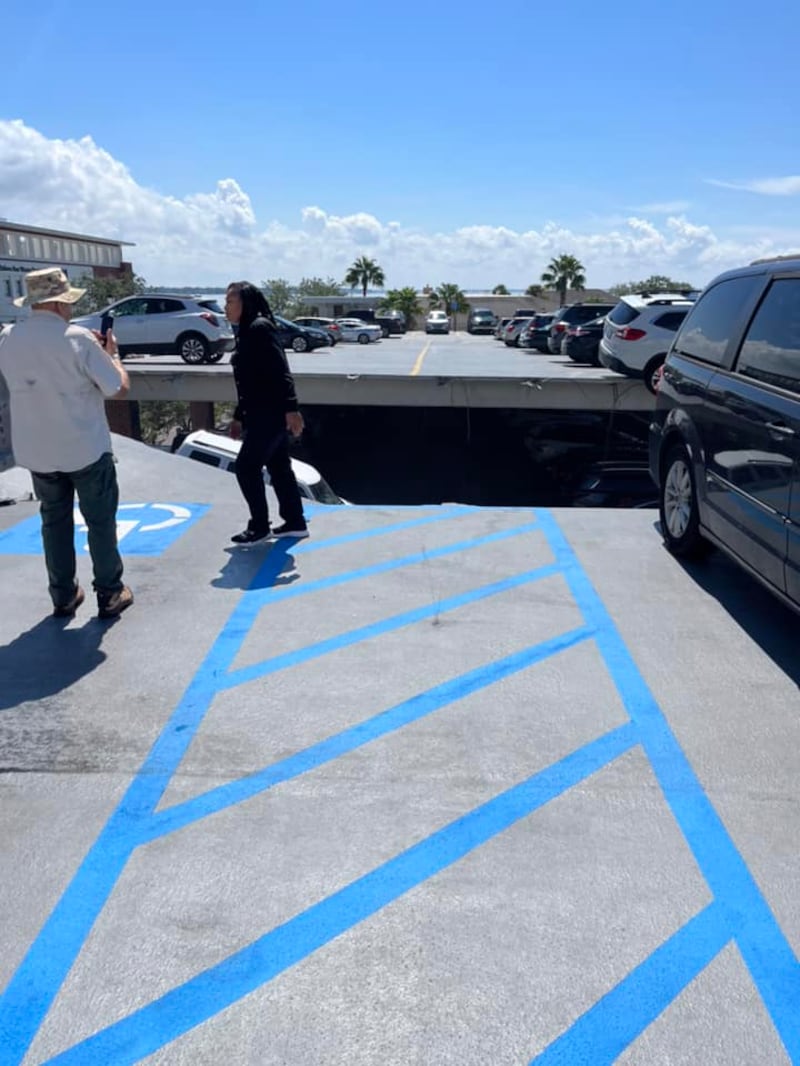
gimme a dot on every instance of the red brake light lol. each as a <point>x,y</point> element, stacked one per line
<point>559,327</point>
<point>212,319</point>
<point>628,333</point>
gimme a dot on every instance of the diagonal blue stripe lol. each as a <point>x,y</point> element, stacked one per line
<point>771,961</point>
<point>150,1028</point>
<point>376,629</point>
<point>455,510</point>
<point>601,1034</point>
<point>411,710</point>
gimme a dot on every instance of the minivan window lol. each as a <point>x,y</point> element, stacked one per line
<point>708,327</point>
<point>771,349</point>
<point>623,314</point>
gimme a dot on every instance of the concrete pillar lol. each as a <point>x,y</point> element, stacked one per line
<point>123,417</point>
<point>201,415</point>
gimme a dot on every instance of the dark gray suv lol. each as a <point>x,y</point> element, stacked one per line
<point>725,439</point>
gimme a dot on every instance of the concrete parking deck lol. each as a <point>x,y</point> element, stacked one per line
<point>438,785</point>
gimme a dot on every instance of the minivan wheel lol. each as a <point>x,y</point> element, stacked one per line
<point>299,344</point>
<point>680,519</point>
<point>650,373</point>
<point>193,348</point>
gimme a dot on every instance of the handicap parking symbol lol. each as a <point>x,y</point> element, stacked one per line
<point>142,529</point>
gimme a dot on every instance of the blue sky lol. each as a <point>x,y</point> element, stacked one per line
<point>632,135</point>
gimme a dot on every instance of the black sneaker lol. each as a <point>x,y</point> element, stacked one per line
<point>250,536</point>
<point>67,610</point>
<point>299,532</point>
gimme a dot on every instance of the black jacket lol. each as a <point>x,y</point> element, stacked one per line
<point>264,382</point>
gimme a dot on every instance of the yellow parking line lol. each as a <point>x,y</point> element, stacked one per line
<point>418,364</point>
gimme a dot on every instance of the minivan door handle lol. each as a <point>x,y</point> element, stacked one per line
<point>780,428</point>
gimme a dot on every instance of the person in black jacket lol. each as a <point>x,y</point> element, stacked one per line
<point>265,415</point>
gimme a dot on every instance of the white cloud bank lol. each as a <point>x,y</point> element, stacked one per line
<point>208,238</point>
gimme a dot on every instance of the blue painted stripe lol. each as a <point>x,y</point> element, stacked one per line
<point>771,961</point>
<point>33,987</point>
<point>150,1028</point>
<point>388,721</point>
<point>376,629</point>
<point>258,596</point>
<point>601,1034</point>
<point>455,510</point>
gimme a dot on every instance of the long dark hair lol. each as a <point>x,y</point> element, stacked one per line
<point>254,304</point>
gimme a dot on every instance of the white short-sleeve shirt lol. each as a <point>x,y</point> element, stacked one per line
<point>57,377</point>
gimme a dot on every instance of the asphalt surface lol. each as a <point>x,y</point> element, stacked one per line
<point>438,785</point>
<point>417,354</point>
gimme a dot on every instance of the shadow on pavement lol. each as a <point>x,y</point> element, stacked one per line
<point>262,566</point>
<point>48,659</point>
<point>765,619</point>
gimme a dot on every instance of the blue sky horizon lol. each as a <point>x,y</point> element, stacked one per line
<point>449,144</point>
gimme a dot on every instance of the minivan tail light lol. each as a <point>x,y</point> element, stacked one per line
<point>211,319</point>
<point>559,327</point>
<point>628,333</point>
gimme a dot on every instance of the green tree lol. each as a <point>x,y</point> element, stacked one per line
<point>100,292</point>
<point>449,297</point>
<point>500,290</point>
<point>280,294</point>
<point>364,272</point>
<point>404,300</point>
<point>318,287</point>
<point>564,272</point>
<point>655,283</point>
<point>534,290</point>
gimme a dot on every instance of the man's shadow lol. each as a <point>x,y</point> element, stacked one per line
<point>256,568</point>
<point>48,659</point>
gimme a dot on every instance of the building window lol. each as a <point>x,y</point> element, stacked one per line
<point>37,248</point>
<point>9,290</point>
<point>19,287</point>
<point>11,244</point>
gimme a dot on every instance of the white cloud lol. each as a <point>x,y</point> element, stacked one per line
<point>210,237</point>
<point>788,186</point>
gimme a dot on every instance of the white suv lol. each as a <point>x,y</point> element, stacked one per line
<point>195,328</point>
<point>437,322</point>
<point>639,331</point>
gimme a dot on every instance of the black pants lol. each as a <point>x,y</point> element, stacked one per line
<point>267,444</point>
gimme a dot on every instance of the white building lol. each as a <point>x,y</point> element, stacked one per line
<point>25,248</point>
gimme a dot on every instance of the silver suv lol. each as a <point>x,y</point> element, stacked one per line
<point>195,328</point>
<point>639,331</point>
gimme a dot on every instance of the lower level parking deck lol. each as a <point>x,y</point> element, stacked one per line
<point>439,784</point>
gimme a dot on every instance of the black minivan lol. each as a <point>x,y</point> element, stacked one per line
<point>725,438</point>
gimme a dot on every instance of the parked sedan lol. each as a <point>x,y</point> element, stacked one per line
<point>437,322</point>
<point>300,338</point>
<point>499,329</point>
<point>353,329</point>
<point>513,330</point>
<point>535,333</point>
<point>328,324</point>
<point>581,343</point>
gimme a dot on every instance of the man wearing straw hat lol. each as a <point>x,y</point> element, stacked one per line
<point>57,376</point>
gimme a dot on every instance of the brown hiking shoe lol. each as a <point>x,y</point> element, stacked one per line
<point>67,610</point>
<point>111,606</point>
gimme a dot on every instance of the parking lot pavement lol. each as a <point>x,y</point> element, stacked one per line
<point>440,784</point>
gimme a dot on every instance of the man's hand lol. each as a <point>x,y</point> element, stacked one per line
<point>235,429</point>
<point>294,423</point>
<point>107,341</point>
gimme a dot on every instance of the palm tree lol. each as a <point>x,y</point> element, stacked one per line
<point>564,272</point>
<point>364,272</point>
<point>404,300</point>
<point>533,290</point>
<point>449,297</point>
<point>499,290</point>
